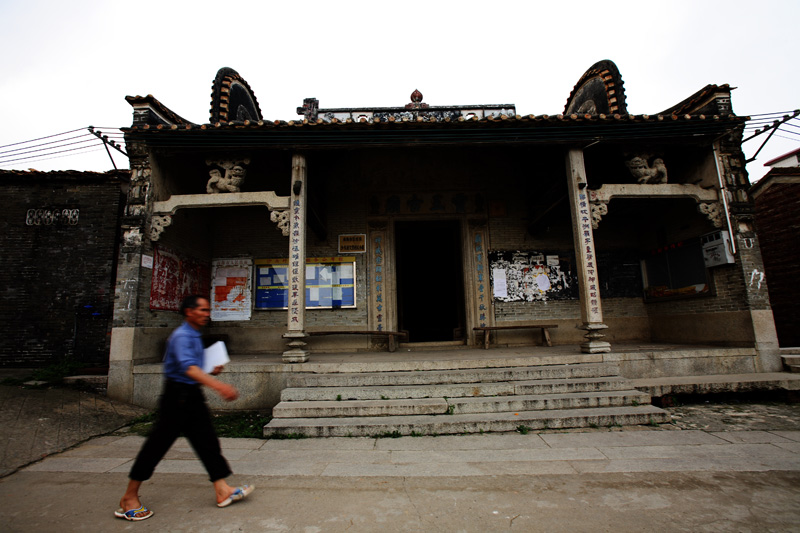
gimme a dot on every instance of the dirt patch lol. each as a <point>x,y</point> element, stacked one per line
<point>735,414</point>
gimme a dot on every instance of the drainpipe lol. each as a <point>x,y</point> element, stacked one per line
<point>724,196</point>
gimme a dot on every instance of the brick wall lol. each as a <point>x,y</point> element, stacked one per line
<point>778,225</point>
<point>57,275</point>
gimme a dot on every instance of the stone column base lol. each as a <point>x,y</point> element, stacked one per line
<point>593,343</point>
<point>296,352</point>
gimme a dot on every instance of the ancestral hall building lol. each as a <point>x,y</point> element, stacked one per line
<point>427,222</point>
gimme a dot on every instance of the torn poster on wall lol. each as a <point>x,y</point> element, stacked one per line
<point>531,276</point>
<point>176,276</point>
<point>230,284</point>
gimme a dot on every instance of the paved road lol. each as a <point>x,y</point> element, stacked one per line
<point>729,468</point>
<point>629,480</point>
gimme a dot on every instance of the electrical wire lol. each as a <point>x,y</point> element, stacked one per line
<point>41,138</point>
<point>51,148</point>
<point>43,155</point>
<point>44,144</point>
<point>787,138</point>
<point>34,150</point>
<point>37,159</point>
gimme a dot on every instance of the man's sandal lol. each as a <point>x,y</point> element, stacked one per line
<point>131,514</point>
<point>238,494</point>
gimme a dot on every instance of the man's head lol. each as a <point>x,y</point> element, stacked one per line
<point>197,311</point>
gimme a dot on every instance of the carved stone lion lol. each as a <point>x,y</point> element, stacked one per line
<point>644,173</point>
<point>231,181</point>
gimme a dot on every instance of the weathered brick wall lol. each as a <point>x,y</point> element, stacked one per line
<point>778,225</point>
<point>57,275</point>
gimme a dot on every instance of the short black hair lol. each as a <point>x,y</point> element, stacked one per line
<point>191,302</point>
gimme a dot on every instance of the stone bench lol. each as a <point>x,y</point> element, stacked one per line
<point>391,334</point>
<point>544,327</point>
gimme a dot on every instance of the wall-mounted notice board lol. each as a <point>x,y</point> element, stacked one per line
<point>330,283</point>
<point>520,276</point>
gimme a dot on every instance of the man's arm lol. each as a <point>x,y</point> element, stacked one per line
<point>226,392</point>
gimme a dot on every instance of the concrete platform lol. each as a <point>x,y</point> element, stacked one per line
<point>261,378</point>
<point>770,381</point>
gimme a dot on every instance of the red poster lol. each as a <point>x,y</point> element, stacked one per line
<point>175,277</point>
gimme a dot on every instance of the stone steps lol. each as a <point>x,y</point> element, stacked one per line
<point>471,400</point>
<point>454,390</point>
<point>440,406</point>
<point>791,362</point>
<point>472,375</point>
<point>466,423</point>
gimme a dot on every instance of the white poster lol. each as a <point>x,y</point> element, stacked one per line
<point>500,288</point>
<point>230,289</point>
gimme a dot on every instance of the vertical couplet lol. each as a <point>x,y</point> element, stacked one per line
<point>591,310</point>
<point>296,352</point>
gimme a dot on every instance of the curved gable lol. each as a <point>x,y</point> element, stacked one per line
<point>232,99</point>
<point>599,91</point>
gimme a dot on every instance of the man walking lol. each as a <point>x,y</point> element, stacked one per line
<point>182,408</point>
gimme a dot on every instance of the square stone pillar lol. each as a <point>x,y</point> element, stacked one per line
<point>588,286</point>
<point>296,329</point>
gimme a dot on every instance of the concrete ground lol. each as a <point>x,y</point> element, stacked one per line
<point>733,467</point>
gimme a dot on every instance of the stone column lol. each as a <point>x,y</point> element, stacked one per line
<point>588,286</point>
<point>296,330</point>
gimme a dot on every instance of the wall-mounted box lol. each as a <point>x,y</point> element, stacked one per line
<point>717,249</point>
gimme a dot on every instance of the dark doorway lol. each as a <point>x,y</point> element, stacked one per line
<point>430,285</point>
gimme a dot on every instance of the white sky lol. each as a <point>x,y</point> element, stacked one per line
<point>69,64</point>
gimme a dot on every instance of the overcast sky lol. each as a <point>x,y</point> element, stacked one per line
<point>70,64</point>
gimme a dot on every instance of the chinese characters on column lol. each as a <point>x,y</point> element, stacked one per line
<point>295,276</point>
<point>478,250</point>
<point>587,249</point>
<point>377,260</point>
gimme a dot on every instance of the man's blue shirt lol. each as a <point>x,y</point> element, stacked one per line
<point>184,349</point>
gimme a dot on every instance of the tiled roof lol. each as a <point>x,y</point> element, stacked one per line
<point>601,88</point>
<point>232,98</point>
<point>709,99</point>
<point>497,120</point>
<point>776,175</point>
<point>161,113</point>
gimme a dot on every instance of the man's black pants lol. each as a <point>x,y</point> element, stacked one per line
<point>182,409</point>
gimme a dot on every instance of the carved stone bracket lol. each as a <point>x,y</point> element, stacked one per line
<point>157,225</point>
<point>163,211</point>
<point>708,199</point>
<point>599,209</point>
<point>713,211</point>
<point>281,218</point>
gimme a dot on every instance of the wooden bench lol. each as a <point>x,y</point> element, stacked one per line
<point>544,327</point>
<point>391,334</point>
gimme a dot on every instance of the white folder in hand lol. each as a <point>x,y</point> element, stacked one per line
<point>215,355</point>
